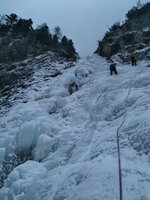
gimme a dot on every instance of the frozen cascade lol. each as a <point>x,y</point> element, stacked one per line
<point>72,138</point>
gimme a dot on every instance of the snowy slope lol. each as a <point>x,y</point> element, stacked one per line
<point>72,138</point>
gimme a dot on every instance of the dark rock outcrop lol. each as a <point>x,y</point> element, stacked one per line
<point>131,37</point>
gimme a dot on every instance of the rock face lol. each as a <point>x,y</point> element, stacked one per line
<point>132,37</point>
<point>17,77</point>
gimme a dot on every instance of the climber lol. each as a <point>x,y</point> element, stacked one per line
<point>112,68</point>
<point>133,60</point>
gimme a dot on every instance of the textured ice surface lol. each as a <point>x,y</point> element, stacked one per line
<point>74,136</point>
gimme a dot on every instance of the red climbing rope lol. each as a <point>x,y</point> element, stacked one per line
<point>119,166</point>
<point>118,147</point>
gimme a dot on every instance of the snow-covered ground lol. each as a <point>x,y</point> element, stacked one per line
<point>72,138</point>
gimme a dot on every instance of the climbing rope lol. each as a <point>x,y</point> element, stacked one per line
<point>118,140</point>
<point>118,145</point>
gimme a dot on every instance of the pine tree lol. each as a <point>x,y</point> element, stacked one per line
<point>58,32</point>
<point>55,40</point>
<point>139,4</point>
<point>42,33</point>
<point>11,19</point>
<point>64,41</point>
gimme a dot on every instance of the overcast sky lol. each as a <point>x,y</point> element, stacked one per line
<point>83,21</point>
